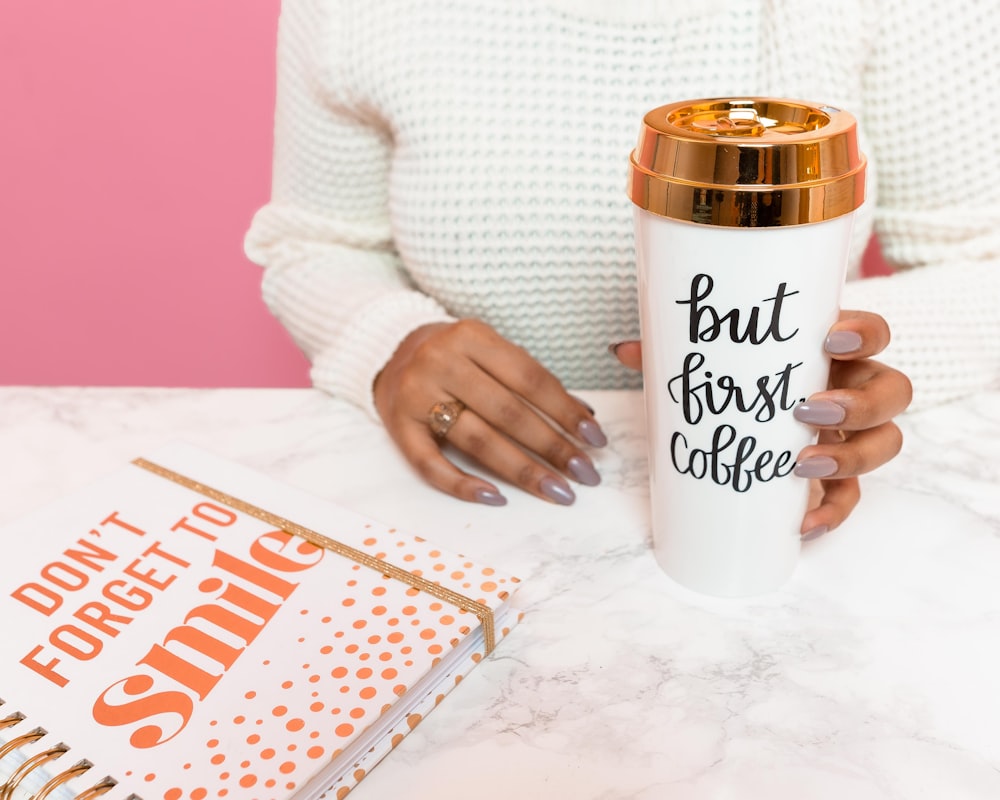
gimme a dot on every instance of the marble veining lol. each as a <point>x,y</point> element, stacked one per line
<point>871,675</point>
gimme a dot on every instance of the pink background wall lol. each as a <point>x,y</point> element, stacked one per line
<point>135,143</point>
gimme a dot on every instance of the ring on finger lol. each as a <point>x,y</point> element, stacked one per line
<point>443,415</point>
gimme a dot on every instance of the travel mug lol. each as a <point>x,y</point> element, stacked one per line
<point>744,208</point>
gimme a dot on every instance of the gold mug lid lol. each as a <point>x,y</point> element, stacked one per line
<point>747,162</point>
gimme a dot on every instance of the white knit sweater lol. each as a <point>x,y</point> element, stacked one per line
<point>462,158</point>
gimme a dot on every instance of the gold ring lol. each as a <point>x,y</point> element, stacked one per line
<point>443,415</point>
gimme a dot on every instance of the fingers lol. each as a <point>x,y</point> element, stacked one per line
<point>854,415</point>
<point>861,452</point>
<point>520,387</point>
<point>484,443</point>
<point>869,391</point>
<point>857,334</point>
<point>839,497</point>
<point>518,421</point>
<point>865,394</point>
<point>628,353</point>
<point>423,452</point>
<point>506,389</point>
<point>857,433</point>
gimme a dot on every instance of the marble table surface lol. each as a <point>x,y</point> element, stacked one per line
<point>873,674</point>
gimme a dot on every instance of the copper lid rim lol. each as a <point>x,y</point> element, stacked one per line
<point>747,162</point>
<point>747,207</point>
<point>769,188</point>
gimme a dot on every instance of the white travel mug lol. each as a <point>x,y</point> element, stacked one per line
<point>744,209</point>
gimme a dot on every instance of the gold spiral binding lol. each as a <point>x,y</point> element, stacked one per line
<point>56,781</point>
<point>105,786</point>
<point>11,719</point>
<point>35,762</point>
<point>18,741</point>
<point>27,767</point>
<point>10,785</point>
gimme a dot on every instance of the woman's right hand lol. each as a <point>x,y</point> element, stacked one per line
<point>518,421</point>
<point>854,416</point>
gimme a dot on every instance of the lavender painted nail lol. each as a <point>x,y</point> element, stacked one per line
<point>490,497</point>
<point>583,471</point>
<point>556,492</point>
<point>820,412</point>
<point>815,533</point>
<point>816,467</point>
<point>591,433</point>
<point>840,342</point>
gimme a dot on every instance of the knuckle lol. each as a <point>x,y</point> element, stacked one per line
<point>408,384</point>
<point>558,451</point>
<point>431,353</point>
<point>860,460</point>
<point>476,445</point>
<point>510,415</point>
<point>527,477</point>
<point>468,329</point>
<point>535,377</point>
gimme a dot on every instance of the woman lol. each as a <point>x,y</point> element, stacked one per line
<point>449,222</point>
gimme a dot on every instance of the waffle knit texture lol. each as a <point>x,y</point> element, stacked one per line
<point>467,158</point>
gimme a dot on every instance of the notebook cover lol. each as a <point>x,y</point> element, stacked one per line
<point>159,628</point>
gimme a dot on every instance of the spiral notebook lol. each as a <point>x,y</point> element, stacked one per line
<point>189,628</point>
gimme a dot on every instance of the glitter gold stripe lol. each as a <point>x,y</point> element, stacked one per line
<point>482,611</point>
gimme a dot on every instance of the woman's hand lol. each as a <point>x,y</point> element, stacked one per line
<point>513,417</point>
<point>854,417</point>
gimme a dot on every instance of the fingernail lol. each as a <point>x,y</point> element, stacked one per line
<point>556,492</point>
<point>613,348</point>
<point>591,433</point>
<point>840,342</point>
<point>815,533</point>
<point>816,467</point>
<point>583,402</point>
<point>820,412</point>
<point>490,497</point>
<point>583,471</point>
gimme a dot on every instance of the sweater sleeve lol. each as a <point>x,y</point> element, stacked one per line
<point>929,89</point>
<point>332,276</point>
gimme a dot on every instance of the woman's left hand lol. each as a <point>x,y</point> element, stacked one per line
<point>854,417</point>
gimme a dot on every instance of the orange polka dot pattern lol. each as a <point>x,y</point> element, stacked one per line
<point>354,643</point>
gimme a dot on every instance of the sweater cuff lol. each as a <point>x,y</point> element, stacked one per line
<point>348,368</point>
